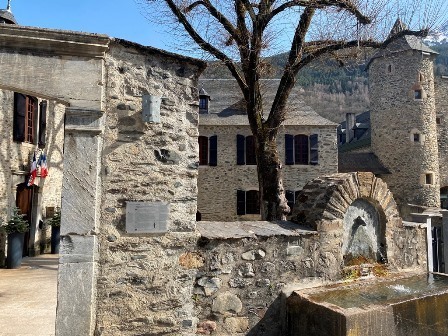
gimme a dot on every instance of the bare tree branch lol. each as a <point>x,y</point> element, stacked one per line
<point>205,45</point>
<point>342,4</point>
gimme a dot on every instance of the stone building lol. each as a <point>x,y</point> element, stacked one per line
<point>133,260</point>
<point>228,183</point>
<point>31,126</point>
<point>402,138</point>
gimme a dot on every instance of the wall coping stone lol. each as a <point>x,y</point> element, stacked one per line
<point>250,229</point>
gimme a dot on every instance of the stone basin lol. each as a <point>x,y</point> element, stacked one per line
<point>414,305</point>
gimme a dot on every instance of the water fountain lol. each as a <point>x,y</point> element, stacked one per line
<point>359,213</point>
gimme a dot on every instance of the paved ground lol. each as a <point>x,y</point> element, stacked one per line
<point>28,297</point>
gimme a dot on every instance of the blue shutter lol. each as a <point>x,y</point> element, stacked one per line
<point>240,202</point>
<point>314,149</point>
<point>240,144</point>
<point>213,160</point>
<point>289,149</point>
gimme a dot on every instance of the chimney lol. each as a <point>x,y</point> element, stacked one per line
<point>350,124</point>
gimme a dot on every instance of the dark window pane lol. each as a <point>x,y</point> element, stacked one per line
<point>19,117</point>
<point>418,94</point>
<point>203,103</point>
<point>290,198</point>
<point>416,137</point>
<point>250,151</point>
<point>240,202</point>
<point>252,202</point>
<point>203,150</point>
<point>240,144</point>
<point>301,149</point>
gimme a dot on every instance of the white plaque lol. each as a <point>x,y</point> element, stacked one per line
<point>147,217</point>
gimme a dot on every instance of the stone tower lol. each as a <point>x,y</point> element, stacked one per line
<point>403,119</point>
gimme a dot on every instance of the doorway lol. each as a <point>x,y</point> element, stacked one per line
<point>24,201</point>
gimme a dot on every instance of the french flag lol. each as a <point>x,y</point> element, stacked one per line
<point>33,171</point>
<point>43,166</point>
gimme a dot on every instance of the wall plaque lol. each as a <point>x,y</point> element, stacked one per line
<point>147,217</point>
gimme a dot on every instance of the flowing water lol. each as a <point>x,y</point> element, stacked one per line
<point>384,292</point>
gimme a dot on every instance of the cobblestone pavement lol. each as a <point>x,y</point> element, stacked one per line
<point>28,297</point>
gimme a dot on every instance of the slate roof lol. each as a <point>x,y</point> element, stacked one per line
<point>362,162</point>
<point>362,124</point>
<point>7,16</point>
<point>226,106</point>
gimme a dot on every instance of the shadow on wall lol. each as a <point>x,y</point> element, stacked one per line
<point>271,320</point>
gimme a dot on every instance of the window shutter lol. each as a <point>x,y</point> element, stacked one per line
<point>240,202</point>
<point>213,161</point>
<point>203,150</point>
<point>240,142</point>
<point>314,149</point>
<point>19,117</point>
<point>289,149</point>
<point>42,123</point>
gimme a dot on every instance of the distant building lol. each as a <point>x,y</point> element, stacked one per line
<point>227,183</point>
<point>403,138</point>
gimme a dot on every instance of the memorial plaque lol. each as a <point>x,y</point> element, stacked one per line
<point>147,217</point>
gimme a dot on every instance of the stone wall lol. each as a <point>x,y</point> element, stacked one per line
<point>396,116</point>
<point>441,87</point>
<point>217,186</point>
<point>142,288</point>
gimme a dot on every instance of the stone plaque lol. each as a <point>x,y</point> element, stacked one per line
<point>147,217</point>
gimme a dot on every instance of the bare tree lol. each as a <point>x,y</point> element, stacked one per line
<point>238,33</point>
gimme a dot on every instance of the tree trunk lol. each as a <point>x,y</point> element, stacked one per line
<point>273,203</point>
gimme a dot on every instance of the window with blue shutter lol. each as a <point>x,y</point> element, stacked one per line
<point>289,149</point>
<point>314,149</point>
<point>240,144</point>
<point>240,202</point>
<point>213,161</point>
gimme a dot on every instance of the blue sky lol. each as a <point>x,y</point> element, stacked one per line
<point>116,18</point>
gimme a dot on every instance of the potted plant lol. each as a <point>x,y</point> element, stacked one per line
<point>15,227</point>
<point>55,223</point>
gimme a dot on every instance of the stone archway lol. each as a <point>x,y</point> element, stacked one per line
<point>356,206</point>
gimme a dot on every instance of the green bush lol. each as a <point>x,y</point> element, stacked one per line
<point>56,219</point>
<point>16,223</point>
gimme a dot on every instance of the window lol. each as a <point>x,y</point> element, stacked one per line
<point>248,202</point>
<point>24,117</point>
<point>301,149</point>
<point>389,68</point>
<point>203,103</point>
<point>291,196</point>
<point>418,94</point>
<point>208,150</point>
<point>245,150</point>
<point>438,120</point>
<point>416,137</point>
<point>429,178</point>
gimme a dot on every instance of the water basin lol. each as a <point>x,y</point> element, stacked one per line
<point>408,306</point>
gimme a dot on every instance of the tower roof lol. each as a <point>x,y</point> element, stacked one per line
<point>398,27</point>
<point>6,15</point>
